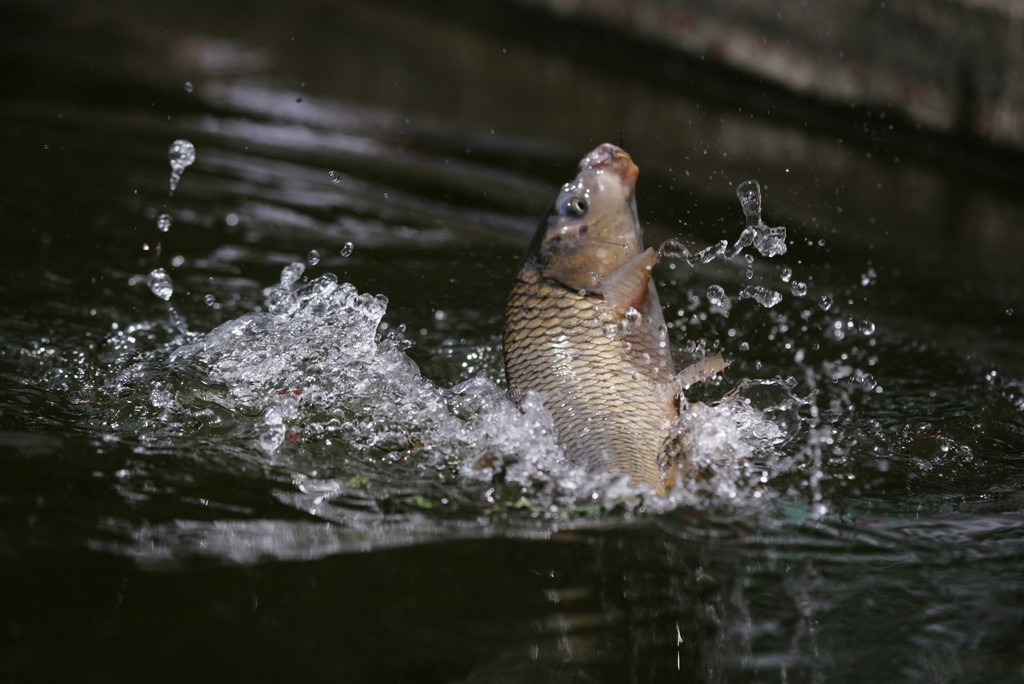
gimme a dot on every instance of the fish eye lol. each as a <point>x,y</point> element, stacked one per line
<point>574,207</point>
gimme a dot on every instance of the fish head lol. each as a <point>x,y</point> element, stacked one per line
<point>592,227</point>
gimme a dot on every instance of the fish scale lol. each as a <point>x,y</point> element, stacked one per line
<point>610,396</point>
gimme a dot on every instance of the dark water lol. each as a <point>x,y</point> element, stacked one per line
<point>255,481</point>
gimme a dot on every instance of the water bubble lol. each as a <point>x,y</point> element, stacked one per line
<point>210,300</point>
<point>291,273</point>
<point>866,327</point>
<point>786,274</point>
<point>799,289</point>
<point>313,257</point>
<point>288,408</point>
<point>272,438</point>
<point>346,249</point>
<point>717,296</point>
<point>160,284</point>
<point>334,176</point>
<point>163,222</point>
<point>189,87</point>
<point>825,303</point>
<point>181,155</point>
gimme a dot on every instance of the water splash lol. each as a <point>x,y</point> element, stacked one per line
<point>181,154</point>
<point>769,241</point>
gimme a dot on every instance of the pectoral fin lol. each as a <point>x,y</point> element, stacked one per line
<point>627,286</point>
<point>702,370</point>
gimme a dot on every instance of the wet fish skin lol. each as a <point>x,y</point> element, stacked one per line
<point>584,327</point>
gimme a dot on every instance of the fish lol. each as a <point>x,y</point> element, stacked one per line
<point>584,328</point>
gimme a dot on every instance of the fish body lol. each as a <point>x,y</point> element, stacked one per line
<point>585,330</point>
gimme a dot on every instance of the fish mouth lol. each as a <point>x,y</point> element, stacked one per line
<point>612,159</point>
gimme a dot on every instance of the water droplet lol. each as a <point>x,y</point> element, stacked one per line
<point>673,249</point>
<point>770,242</point>
<point>764,296</point>
<point>717,296</point>
<point>210,300</point>
<point>799,289</point>
<point>629,320</point>
<point>866,327</point>
<point>292,272</point>
<point>749,194</point>
<point>709,253</point>
<point>160,284</point>
<point>313,257</point>
<point>786,274</point>
<point>163,222</point>
<point>181,155</point>
<point>334,176</point>
<point>825,303</point>
<point>866,380</point>
<point>189,87</point>
<point>346,249</point>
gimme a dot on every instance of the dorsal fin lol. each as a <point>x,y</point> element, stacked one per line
<point>626,286</point>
